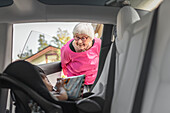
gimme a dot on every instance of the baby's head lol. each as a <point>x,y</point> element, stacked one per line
<point>46,81</point>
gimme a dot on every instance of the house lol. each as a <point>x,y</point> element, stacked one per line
<point>46,55</point>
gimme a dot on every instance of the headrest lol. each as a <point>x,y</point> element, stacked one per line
<point>28,74</point>
<point>126,16</point>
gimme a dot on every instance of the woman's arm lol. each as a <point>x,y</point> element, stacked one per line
<point>65,59</point>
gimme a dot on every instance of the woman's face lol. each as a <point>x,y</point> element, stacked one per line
<point>82,41</point>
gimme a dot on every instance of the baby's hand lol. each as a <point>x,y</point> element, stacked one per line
<point>59,83</point>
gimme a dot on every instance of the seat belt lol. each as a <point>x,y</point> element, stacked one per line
<point>105,47</point>
<point>110,81</point>
<point>137,104</point>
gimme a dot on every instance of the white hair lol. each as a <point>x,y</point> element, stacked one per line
<point>84,28</point>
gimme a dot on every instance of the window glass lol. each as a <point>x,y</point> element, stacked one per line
<point>40,43</point>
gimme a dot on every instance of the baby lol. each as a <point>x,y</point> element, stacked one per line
<point>59,91</point>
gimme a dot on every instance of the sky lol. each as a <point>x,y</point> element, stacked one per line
<point>22,32</point>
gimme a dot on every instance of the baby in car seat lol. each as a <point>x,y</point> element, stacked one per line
<point>59,91</point>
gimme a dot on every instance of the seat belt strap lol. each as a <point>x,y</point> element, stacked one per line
<point>110,82</point>
<point>137,104</point>
<point>105,47</point>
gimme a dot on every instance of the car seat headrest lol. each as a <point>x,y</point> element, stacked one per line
<point>28,74</point>
<point>126,16</point>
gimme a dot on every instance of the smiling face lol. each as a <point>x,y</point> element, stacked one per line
<point>82,41</point>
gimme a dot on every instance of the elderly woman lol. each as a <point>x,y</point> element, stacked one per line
<point>81,54</point>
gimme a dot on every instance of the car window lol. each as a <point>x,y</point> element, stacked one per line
<point>40,43</point>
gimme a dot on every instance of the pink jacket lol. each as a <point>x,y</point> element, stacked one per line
<point>78,63</point>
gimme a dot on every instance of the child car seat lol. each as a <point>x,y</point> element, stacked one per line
<point>26,84</point>
<point>31,94</point>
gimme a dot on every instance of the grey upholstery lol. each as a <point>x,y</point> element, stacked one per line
<point>5,58</point>
<point>126,16</point>
<point>100,87</point>
<point>133,46</point>
<point>157,95</point>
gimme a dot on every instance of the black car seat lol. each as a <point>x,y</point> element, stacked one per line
<point>31,94</point>
<point>28,88</point>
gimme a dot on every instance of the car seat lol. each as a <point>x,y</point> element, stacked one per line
<point>27,87</point>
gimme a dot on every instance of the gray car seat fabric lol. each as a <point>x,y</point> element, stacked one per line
<point>157,94</point>
<point>133,16</point>
<point>135,39</point>
<point>126,16</point>
<point>100,87</point>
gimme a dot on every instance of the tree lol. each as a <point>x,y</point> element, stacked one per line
<point>61,39</point>
<point>42,42</point>
<point>25,54</point>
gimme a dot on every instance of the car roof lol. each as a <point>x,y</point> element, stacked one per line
<point>98,11</point>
